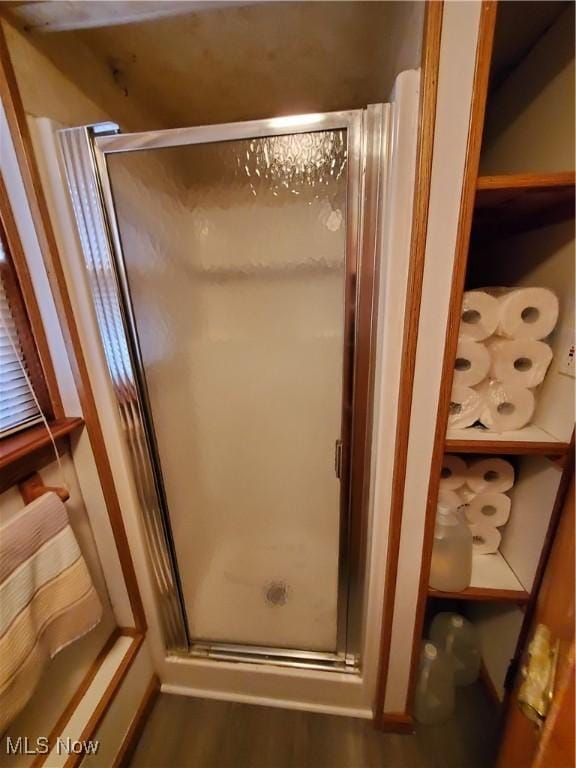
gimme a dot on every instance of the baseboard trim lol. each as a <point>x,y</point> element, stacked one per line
<point>363,713</point>
<point>396,722</point>
<point>130,742</point>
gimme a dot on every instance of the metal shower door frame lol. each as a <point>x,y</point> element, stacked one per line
<point>85,154</point>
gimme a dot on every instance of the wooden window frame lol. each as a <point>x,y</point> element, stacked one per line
<point>29,448</point>
<point>23,329</point>
<point>26,315</point>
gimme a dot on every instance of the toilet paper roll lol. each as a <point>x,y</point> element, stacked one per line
<point>453,473</point>
<point>520,362</point>
<point>506,407</point>
<point>480,315</point>
<point>466,494</point>
<point>472,363</point>
<point>466,405</point>
<point>490,508</point>
<point>485,539</point>
<point>527,313</point>
<point>490,476</point>
<point>449,498</point>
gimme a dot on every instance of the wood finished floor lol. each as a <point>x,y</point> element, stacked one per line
<point>184,732</point>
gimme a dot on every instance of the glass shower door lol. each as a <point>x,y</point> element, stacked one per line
<point>235,251</point>
<point>234,254</point>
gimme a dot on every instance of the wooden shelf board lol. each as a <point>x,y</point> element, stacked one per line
<point>525,181</point>
<point>506,205</point>
<point>19,447</point>
<point>530,440</point>
<point>492,579</point>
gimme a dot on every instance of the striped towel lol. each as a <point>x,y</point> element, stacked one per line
<point>47,599</point>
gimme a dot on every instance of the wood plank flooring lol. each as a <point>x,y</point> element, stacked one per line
<point>183,732</point>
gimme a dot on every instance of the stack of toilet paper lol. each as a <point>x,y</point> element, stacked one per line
<point>479,491</point>
<point>501,357</point>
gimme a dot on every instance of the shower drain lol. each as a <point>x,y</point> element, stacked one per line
<point>276,593</point>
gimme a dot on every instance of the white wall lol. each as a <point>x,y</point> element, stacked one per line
<point>457,57</point>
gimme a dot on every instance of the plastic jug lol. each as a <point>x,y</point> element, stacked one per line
<point>457,637</point>
<point>451,567</point>
<point>434,702</point>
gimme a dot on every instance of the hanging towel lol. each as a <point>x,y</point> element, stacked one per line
<point>47,599</point>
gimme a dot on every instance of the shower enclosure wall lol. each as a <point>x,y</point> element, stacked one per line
<point>237,322</point>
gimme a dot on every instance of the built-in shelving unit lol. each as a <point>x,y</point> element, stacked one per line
<point>521,235</point>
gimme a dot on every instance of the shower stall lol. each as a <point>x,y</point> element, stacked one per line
<point>233,270</point>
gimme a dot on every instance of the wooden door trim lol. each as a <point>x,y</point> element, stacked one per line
<point>559,543</point>
<point>427,121</point>
<point>103,706</point>
<point>475,129</point>
<point>107,697</point>
<point>16,118</point>
<point>561,495</point>
<point>397,722</point>
<point>136,729</point>
<point>78,695</point>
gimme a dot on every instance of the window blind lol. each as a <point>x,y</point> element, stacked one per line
<point>18,407</point>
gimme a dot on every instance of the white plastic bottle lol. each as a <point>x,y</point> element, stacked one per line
<point>434,702</point>
<point>457,637</point>
<point>451,567</point>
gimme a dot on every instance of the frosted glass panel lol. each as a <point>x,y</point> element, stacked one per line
<point>235,257</point>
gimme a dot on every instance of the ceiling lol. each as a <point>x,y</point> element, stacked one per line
<point>228,62</point>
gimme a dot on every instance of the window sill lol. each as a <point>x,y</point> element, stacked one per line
<point>25,452</point>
